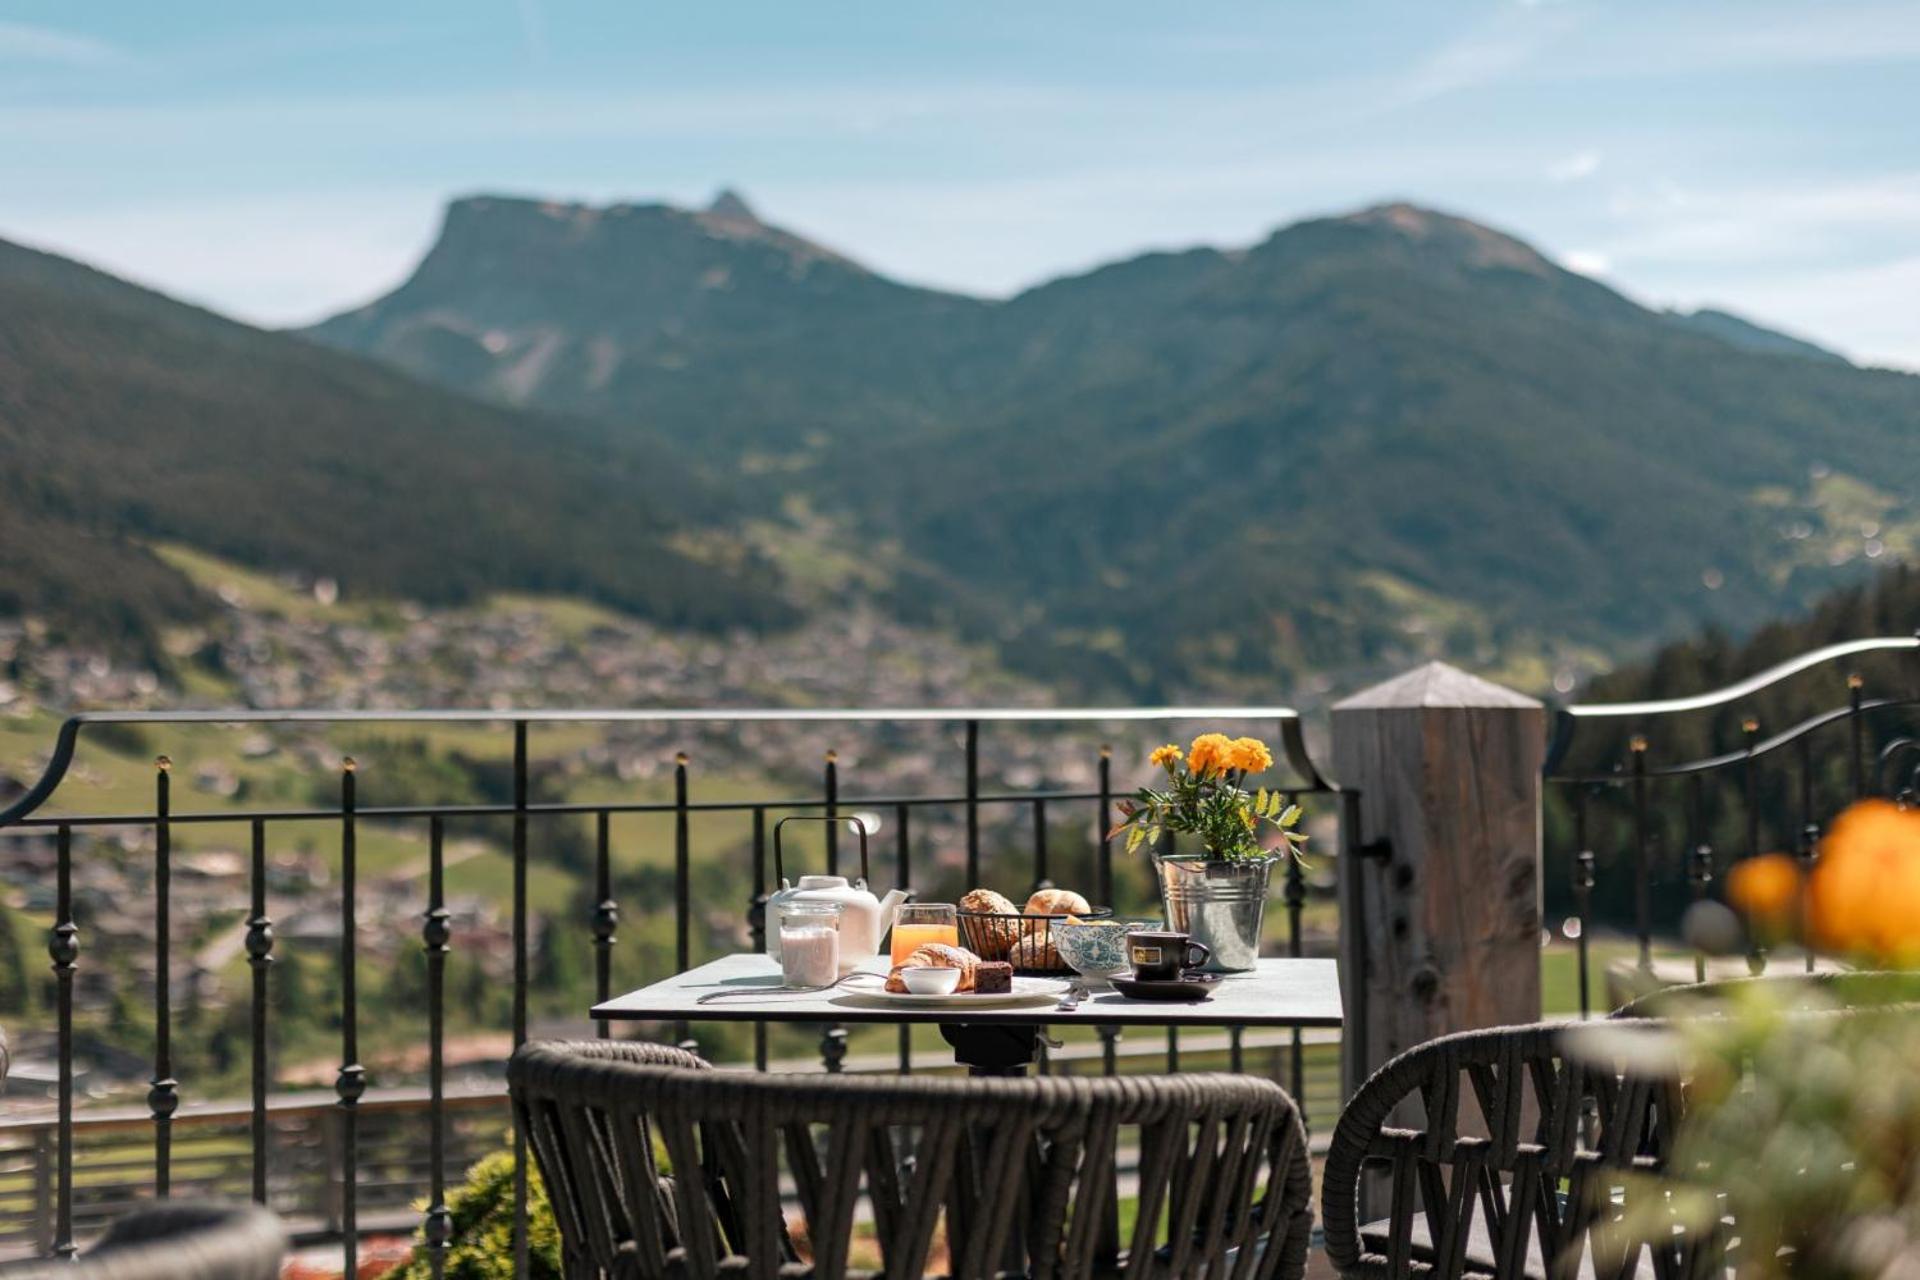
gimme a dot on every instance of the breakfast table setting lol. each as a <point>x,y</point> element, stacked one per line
<point>995,976</point>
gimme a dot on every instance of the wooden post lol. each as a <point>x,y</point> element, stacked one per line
<point>1440,926</point>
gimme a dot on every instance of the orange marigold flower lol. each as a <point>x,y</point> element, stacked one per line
<point>1864,895</point>
<point>1250,755</point>
<point>1168,755</point>
<point>1765,888</point>
<point>1210,753</point>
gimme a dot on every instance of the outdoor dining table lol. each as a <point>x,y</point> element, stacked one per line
<point>1284,993</point>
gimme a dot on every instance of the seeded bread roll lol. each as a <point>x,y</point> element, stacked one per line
<point>991,938</point>
<point>1057,902</point>
<point>937,955</point>
<point>1035,951</point>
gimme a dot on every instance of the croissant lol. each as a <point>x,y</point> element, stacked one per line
<point>936,955</point>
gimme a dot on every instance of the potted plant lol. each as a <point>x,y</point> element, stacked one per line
<point>1809,1126</point>
<point>1217,891</point>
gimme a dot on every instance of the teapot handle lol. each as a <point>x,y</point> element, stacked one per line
<point>779,870</point>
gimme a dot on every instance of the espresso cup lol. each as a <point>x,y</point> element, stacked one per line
<point>1162,956</point>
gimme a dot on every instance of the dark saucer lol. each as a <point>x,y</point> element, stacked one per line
<point>1189,987</point>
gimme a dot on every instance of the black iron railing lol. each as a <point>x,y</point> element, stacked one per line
<point>346,817</point>
<point>1628,817</point>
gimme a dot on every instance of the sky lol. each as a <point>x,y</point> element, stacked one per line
<point>281,162</point>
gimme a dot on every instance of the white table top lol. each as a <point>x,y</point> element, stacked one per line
<point>1280,993</point>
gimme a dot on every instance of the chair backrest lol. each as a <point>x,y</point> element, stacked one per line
<point>668,1171</point>
<point>176,1240</point>
<point>1851,990</point>
<point>1479,1193</point>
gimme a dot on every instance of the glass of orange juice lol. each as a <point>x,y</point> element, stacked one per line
<point>922,922</point>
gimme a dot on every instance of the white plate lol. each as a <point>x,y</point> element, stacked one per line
<point>1026,991</point>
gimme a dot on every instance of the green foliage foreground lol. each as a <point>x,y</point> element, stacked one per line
<point>482,1243</point>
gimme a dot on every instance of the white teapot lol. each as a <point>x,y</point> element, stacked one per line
<point>864,919</point>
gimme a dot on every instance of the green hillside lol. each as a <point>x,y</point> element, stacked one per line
<point>1366,440</point>
<point>126,417</point>
<point>1886,605</point>
<point>1816,768</point>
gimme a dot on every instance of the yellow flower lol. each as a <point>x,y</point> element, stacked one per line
<point>1250,755</point>
<point>1210,753</point>
<point>1766,889</point>
<point>1863,897</point>
<point>1168,755</point>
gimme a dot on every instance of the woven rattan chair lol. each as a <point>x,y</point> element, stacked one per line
<point>1459,1204</point>
<point>1851,990</point>
<point>1015,1175</point>
<point>176,1240</point>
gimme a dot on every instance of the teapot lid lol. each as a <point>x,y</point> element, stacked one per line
<point>822,882</point>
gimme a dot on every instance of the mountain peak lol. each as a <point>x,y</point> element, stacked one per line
<point>731,205</point>
<point>1477,245</point>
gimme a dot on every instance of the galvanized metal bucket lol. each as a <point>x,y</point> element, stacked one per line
<point>1222,904</point>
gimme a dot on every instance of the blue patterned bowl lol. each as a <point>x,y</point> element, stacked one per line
<point>1095,949</point>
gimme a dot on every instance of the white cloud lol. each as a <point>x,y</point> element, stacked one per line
<point>533,31</point>
<point>1581,164</point>
<point>1489,52</point>
<point>20,42</point>
<point>1586,262</point>
<point>1706,37</point>
<point>1762,226</point>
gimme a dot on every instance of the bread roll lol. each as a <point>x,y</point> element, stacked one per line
<point>936,955</point>
<point>989,901</point>
<point>1057,902</point>
<point>991,938</point>
<point>1035,951</point>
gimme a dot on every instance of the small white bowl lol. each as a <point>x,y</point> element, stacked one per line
<point>930,980</point>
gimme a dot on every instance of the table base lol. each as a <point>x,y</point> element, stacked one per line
<point>987,1049</point>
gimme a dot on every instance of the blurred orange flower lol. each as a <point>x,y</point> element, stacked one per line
<point>1766,888</point>
<point>1210,753</point>
<point>1863,897</point>
<point>1250,755</point>
<point>1168,756</point>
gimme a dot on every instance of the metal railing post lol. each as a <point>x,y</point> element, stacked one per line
<point>163,1093</point>
<point>436,936</point>
<point>520,972</point>
<point>606,916</point>
<point>1642,858</point>
<point>973,803</point>
<point>259,947</point>
<point>351,1081</point>
<point>1749,774</point>
<point>757,921</point>
<point>64,948</point>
